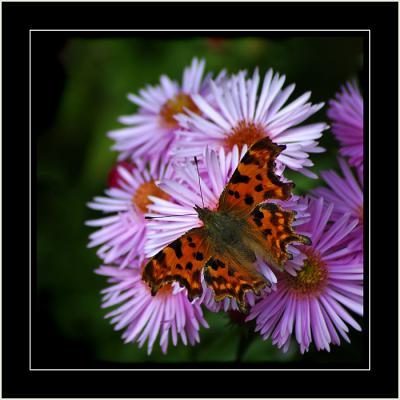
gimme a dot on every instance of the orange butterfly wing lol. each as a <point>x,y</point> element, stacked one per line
<point>229,279</point>
<point>181,261</point>
<point>254,180</point>
<point>268,229</point>
<point>272,226</point>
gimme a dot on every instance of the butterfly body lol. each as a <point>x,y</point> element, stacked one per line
<point>223,229</point>
<point>241,229</point>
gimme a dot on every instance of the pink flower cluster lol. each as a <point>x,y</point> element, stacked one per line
<point>216,120</point>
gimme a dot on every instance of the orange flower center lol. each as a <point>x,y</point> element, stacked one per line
<point>312,277</point>
<point>244,133</point>
<point>141,197</point>
<point>176,106</point>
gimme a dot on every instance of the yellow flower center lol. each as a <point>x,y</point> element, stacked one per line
<point>175,106</point>
<point>141,197</point>
<point>312,277</point>
<point>244,133</point>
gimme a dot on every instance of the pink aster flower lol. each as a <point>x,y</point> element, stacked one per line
<point>122,232</point>
<point>346,195</point>
<point>311,306</point>
<point>178,215</point>
<point>146,317</point>
<point>151,131</point>
<point>241,116</point>
<point>346,112</point>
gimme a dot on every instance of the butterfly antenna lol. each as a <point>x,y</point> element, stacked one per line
<point>198,174</point>
<point>166,216</point>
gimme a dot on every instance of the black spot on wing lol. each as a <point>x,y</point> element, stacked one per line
<point>267,232</point>
<point>249,159</point>
<point>249,200</point>
<point>234,193</point>
<point>238,178</point>
<point>177,247</point>
<point>212,264</point>
<point>215,264</point>
<point>269,194</point>
<point>189,266</point>
<point>257,221</point>
<point>160,256</point>
<point>275,219</point>
<point>259,188</point>
<point>258,214</point>
<point>262,144</point>
<point>271,207</point>
<point>198,256</point>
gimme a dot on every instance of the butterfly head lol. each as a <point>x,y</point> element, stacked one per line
<point>205,214</point>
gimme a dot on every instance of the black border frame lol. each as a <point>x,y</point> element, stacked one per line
<point>44,47</point>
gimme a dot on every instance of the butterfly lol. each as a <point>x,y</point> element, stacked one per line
<point>243,227</point>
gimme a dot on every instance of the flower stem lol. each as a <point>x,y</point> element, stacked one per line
<point>246,338</point>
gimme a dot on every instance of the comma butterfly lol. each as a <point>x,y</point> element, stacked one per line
<point>234,235</point>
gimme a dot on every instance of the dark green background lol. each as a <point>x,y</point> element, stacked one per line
<point>85,83</point>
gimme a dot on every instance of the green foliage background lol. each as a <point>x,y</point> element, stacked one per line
<point>74,159</point>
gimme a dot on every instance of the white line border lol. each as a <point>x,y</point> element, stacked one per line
<point>369,198</point>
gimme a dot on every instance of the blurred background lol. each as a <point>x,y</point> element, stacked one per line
<point>79,88</point>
